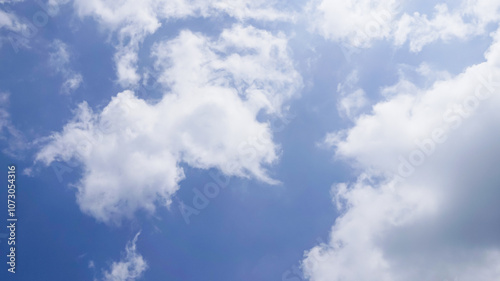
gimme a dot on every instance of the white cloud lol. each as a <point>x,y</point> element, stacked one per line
<point>73,82</point>
<point>352,99</point>
<point>243,9</point>
<point>419,31</point>
<point>56,3</point>
<point>15,30</point>
<point>14,139</point>
<point>11,22</point>
<point>131,150</point>
<point>21,29</point>
<point>59,59</point>
<point>134,20</point>
<point>137,18</point>
<point>358,23</point>
<point>352,103</point>
<point>426,204</point>
<point>355,22</point>
<point>431,73</point>
<point>129,268</point>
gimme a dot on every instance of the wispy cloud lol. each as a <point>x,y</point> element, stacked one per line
<point>360,23</point>
<point>59,59</point>
<point>129,268</point>
<point>132,21</point>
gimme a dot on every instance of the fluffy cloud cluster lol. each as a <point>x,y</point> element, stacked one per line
<point>131,150</point>
<point>425,206</point>
<point>357,23</point>
<point>133,20</point>
<point>130,268</point>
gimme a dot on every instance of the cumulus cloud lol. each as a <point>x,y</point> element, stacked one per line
<point>134,20</point>
<point>11,24</point>
<point>132,149</point>
<point>59,60</point>
<point>129,268</point>
<point>425,206</point>
<point>358,23</point>
<point>419,31</point>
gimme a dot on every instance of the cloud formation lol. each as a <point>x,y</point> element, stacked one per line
<point>59,59</point>
<point>130,267</point>
<point>355,22</point>
<point>359,23</point>
<point>132,149</point>
<point>132,21</point>
<point>352,99</point>
<point>10,21</point>
<point>423,207</point>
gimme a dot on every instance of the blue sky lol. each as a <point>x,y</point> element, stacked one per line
<point>251,140</point>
